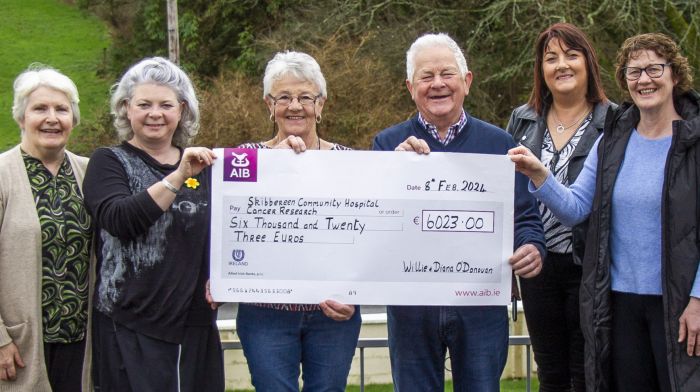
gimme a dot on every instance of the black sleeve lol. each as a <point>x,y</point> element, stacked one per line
<point>109,200</point>
<point>511,127</point>
<point>528,223</point>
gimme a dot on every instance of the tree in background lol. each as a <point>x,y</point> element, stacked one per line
<point>361,46</point>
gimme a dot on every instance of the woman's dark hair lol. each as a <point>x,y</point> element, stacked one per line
<point>573,38</point>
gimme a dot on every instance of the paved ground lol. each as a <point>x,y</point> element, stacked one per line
<point>228,311</point>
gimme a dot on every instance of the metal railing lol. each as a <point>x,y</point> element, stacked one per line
<point>363,343</point>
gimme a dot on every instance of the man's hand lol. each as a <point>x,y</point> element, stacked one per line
<point>526,261</point>
<point>414,144</point>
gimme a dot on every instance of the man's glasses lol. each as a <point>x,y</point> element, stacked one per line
<point>652,70</point>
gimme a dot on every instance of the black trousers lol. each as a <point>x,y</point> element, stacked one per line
<point>551,305</point>
<point>127,361</point>
<point>64,365</point>
<point>639,343</point>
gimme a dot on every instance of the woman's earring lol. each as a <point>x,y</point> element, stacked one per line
<point>318,118</point>
<point>272,117</point>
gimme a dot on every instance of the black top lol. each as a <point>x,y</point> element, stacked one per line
<point>151,265</point>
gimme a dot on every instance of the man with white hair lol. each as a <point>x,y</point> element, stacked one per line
<point>476,336</point>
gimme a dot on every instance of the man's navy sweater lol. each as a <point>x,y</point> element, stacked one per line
<point>478,137</point>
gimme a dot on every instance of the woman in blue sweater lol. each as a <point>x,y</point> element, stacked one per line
<point>640,295</point>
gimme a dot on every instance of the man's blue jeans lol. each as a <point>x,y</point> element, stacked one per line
<point>476,336</point>
<point>275,342</point>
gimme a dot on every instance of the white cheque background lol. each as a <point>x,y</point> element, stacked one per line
<point>360,227</point>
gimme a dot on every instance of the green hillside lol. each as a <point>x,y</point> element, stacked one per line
<point>56,33</point>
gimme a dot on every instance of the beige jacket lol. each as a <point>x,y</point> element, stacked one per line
<point>20,274</point>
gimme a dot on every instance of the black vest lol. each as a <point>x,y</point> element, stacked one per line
<point>680,251</point>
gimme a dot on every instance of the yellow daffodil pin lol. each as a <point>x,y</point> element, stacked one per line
<point>192,183</point>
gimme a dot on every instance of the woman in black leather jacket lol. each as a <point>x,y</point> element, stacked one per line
<point>559,124</point>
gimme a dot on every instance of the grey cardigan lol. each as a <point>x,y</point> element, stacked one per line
<point>20,274</point>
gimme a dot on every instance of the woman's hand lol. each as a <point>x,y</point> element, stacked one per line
<point>9,361</point>
<point>210,300</point>
<point>336,310</point>
<point>690,327</point>
<point>292,142</point>
<point>528,164</point>
<point>414,144</point>
<point>194,160</point>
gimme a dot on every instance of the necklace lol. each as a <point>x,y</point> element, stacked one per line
<point>561,127</point>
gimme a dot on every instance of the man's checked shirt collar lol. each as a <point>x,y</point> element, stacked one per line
<point>452,131</point>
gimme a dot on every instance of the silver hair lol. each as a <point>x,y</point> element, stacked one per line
<point>297,64</point>
<point>40,75</point>
<point>430,41</point>
<point>162,72</point>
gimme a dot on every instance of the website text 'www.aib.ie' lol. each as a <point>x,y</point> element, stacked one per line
<point>478,293</point>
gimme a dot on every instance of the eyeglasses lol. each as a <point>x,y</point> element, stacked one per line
<point>286,100</point>
<point>652,70</point>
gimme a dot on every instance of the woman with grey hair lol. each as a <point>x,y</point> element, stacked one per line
<point>149,197</point>
<point>276,338</point>
<point>44,242</point>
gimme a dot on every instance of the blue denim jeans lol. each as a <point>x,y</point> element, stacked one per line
<point>275,342</point>
<point>419,336</point>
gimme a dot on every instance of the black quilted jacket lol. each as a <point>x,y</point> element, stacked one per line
<point>680,243</point>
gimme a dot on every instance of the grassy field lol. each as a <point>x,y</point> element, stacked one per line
<point>56,33</point>
<point>506,386</point>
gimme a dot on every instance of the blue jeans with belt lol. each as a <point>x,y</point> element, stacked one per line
<point>419,337</point>
<point>275,342</point>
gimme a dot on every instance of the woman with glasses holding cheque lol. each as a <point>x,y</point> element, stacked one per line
<point>277,338</point>
<point>639,188</point>
<point>149,197</point>
<point>562,119</point>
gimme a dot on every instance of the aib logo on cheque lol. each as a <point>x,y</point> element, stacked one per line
<point>241,164</point>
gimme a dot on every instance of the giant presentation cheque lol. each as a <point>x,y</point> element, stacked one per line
<point>361,227</point>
